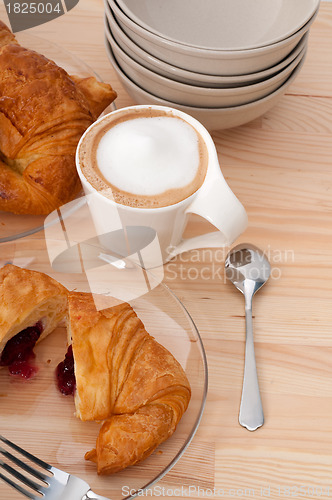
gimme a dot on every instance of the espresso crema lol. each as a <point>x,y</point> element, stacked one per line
<point>144,158</point>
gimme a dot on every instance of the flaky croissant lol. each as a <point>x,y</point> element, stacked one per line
<point>43,113</point>
<point>125,378</point>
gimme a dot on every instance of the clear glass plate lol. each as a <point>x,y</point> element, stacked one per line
<point>36,416</point>
<point>13,226</point>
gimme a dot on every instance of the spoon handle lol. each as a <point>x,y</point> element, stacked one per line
<point>251,411</point>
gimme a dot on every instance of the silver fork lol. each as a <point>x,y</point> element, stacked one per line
<point>53,483</point>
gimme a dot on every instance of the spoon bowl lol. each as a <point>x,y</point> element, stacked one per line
<point>244,263</point>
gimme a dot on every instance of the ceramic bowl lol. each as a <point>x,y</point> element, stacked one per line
<point>211,62</point>
<point>189,77</point>
<point>211,118</point>
<point>221,24</point>
<point>190,95</point>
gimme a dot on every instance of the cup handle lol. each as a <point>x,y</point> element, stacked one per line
<point>216,203</point>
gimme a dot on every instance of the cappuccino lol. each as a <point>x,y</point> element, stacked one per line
<point>144,158</point>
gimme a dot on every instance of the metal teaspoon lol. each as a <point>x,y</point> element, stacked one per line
<point>248,269</point>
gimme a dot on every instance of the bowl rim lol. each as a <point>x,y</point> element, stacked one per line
<point>113,26</point>
<point>127,11</point>
<point>210,54</point>
<point>202,91</point>
<point>187,109</point>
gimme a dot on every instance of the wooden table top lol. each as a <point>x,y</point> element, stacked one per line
<point>280,167</point>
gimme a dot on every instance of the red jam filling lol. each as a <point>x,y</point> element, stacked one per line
<point>18,352</point>
<point>65,374</point>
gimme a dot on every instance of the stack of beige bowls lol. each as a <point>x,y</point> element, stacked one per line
<point>225,62</point>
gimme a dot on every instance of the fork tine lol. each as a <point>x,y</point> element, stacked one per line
<point>26,454</point>
<point>17,487</point>
<point>25,480</point>
<point>36,473</point>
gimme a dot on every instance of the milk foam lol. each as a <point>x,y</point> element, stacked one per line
<point>149,155</point>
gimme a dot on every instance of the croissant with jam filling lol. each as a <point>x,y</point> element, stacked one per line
<point>127,379</point>
<point>43,113</point>
<point>31,306</point>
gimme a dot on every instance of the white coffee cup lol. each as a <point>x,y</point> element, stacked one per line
<point>158,232</point>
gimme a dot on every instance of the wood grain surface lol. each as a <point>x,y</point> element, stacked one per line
<point>280,167</point>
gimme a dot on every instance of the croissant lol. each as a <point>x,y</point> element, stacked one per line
<point>43,113</point>
<point>125,378</point>
<point>31,306</point>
